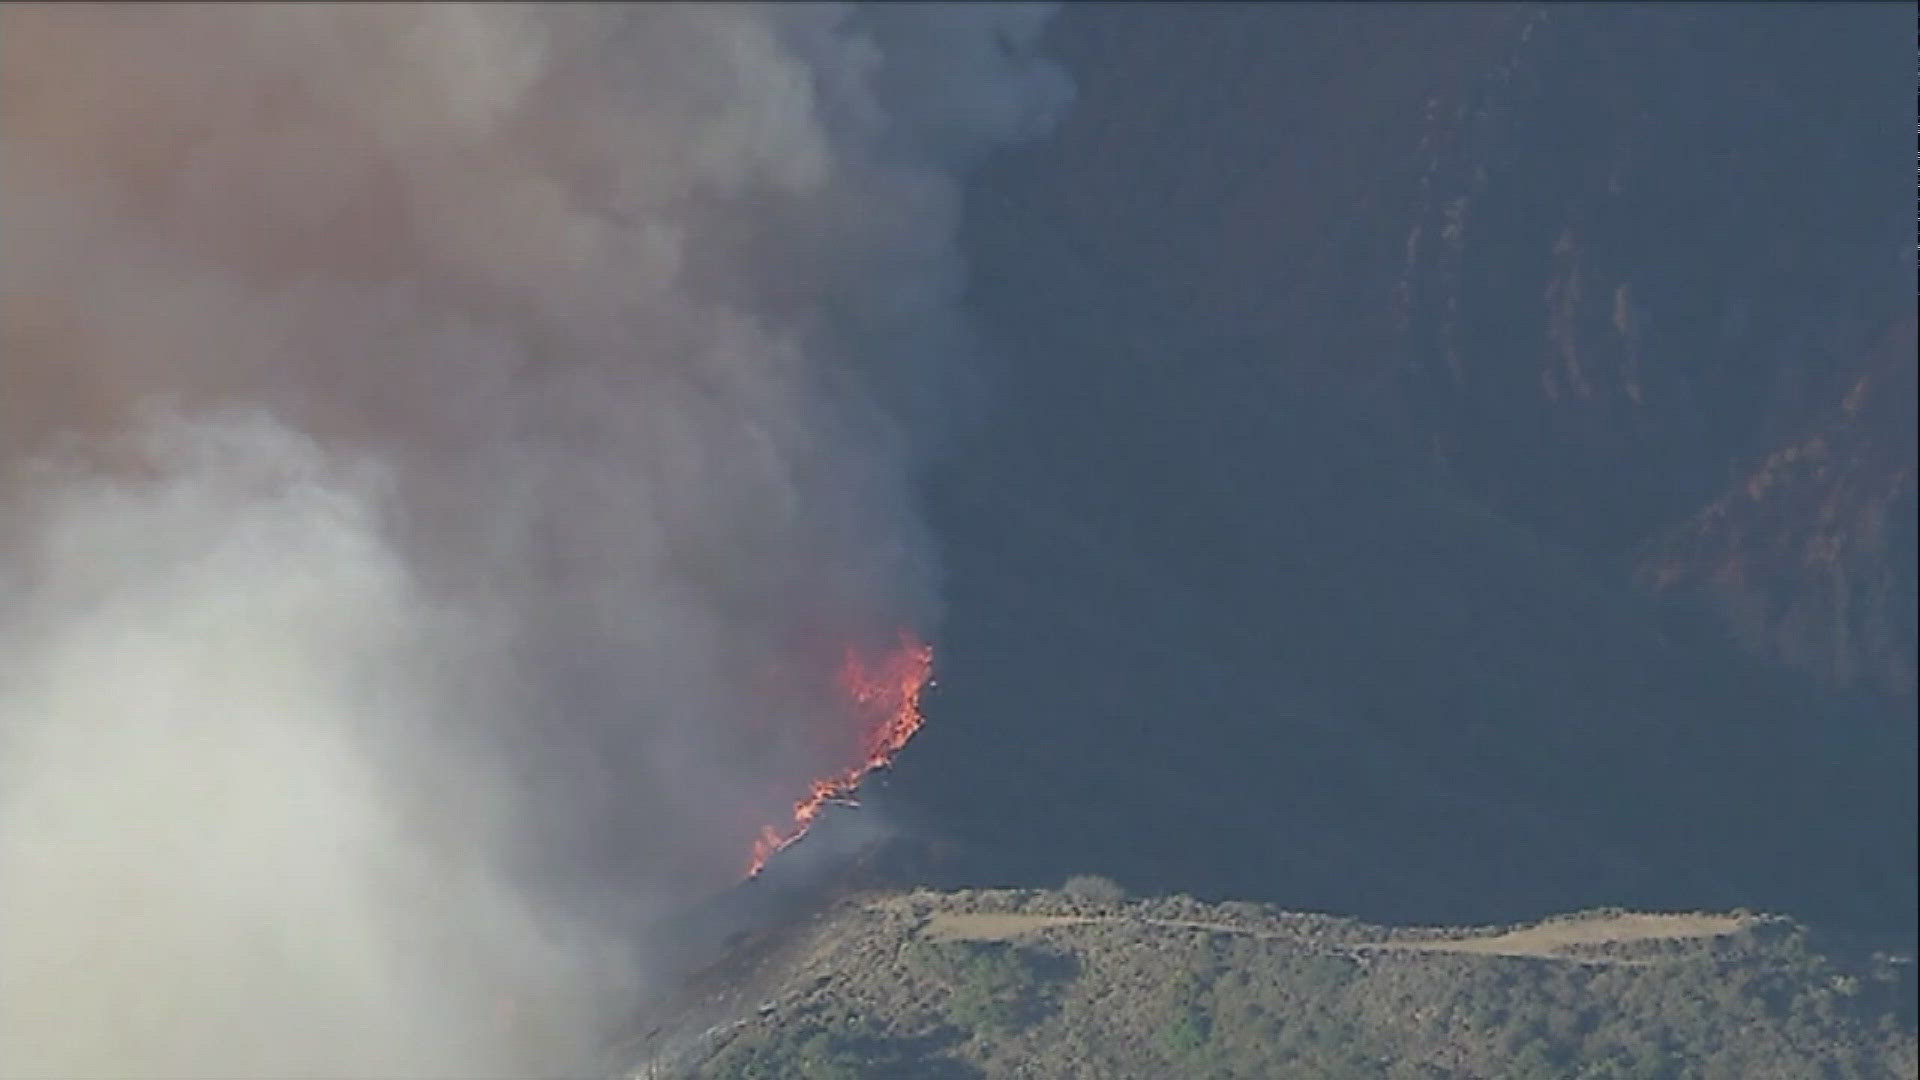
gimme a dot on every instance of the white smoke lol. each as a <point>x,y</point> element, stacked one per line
<point>446,450</point>
<point>221,855</point>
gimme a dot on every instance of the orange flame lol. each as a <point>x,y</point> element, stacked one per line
<point>887,697</point>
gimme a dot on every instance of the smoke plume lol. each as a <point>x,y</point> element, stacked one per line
<point>446,453</point>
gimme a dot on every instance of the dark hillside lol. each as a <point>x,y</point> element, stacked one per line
<point>1287,562</point>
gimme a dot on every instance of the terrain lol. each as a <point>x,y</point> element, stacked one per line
<point>1444,465</point>
<point>1082,982</point>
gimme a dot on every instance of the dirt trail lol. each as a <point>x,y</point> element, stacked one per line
<point>1551,940</point>
<point>992,926</point>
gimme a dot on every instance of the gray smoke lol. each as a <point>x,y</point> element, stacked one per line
<point>444,454</point>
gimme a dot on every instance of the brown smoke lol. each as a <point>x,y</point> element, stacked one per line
<point>445,453</point>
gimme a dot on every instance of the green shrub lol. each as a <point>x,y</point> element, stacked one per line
<point>1186,1034</point>
<point>993,986</point>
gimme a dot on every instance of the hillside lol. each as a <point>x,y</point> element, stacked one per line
<point>1084,983</point>
<point>1412,483</point>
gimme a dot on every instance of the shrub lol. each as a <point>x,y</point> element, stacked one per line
<point>1187,1033</point>
<point>993,987</point>
<point>1093,887</point>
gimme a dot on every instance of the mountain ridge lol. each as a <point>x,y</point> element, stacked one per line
<point>984,983</point>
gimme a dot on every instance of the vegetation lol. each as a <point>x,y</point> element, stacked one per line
<point>981,985</point>
<point>839,1049</point>
<point>1093,887</point>
<point>992,987</point>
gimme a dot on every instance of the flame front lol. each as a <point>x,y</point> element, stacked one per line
<point>887,698</point>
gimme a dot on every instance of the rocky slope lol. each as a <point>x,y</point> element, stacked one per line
<point>1809,556</point>
<point>1599,265</point>
<point>1661,257</point>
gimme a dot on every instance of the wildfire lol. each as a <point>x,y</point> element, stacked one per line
<point>887,698</point>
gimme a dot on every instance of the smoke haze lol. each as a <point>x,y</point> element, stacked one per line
<point>444,454</point>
